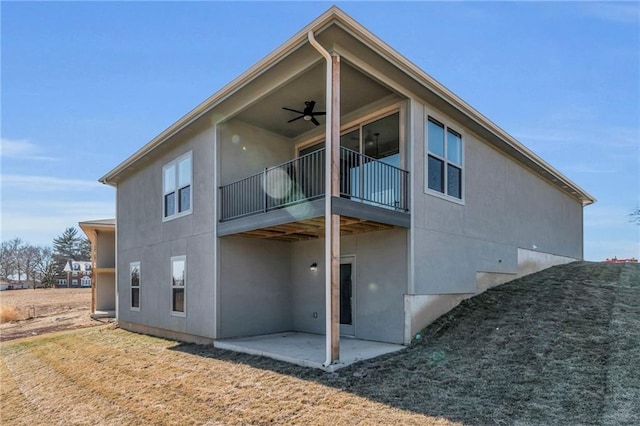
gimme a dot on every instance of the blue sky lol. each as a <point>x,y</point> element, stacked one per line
<point>85,84</point>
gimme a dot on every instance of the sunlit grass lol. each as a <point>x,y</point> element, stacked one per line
<point>559,347</point>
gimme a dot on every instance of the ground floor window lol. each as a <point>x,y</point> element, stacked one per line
<point>178,284</point>
<point>85,281</point>
<point>134,269</point>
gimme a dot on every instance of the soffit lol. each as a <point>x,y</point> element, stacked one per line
<point>356,91</point>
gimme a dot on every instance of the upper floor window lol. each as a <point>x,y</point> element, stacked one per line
<point>444,159</point>
<point>176,184</point>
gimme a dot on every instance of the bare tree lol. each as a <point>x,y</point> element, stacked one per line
<point>15,249</point>
<point>635,216</point>
<point>7,259</point>
<point>29,255</point>
<point>45,266</point>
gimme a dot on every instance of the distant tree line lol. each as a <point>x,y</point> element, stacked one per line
<point>39,265</point>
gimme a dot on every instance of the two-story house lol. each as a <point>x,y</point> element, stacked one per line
<point>76,273</point>
<point>334,188</point>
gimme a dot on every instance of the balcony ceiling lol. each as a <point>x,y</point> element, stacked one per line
<point>357,91</point>
<point>311,229</point>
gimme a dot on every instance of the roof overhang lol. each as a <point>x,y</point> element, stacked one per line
<point>335,16</point>
<point>104,225</point>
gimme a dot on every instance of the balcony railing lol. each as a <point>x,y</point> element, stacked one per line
<point>363,179</point>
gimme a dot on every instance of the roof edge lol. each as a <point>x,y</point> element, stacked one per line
<point>373,41</point>
<point>359,31</point>
<point>227,90</point>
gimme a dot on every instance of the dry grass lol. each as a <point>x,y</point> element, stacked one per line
<point>109,376</point>
<point>30,303</point>
<point>8,314</point>
<point>33,312</point>
<point>559,347</point>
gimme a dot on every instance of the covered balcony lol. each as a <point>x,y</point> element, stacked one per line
<point>271,160</point>
<point>286,201</point>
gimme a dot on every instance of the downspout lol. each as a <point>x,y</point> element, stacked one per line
<point>327,197</point>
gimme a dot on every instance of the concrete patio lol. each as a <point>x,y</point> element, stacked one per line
<point>305,349</point>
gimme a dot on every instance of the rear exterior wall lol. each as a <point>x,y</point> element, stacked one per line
<point>504,207</point>
<point>380,282</point>
<point>143,236</point>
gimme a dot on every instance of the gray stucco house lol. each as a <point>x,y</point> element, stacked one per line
<point>333,188</point>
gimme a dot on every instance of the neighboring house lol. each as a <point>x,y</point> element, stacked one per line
<point>616,260</point>
<point>15,285</point>
<point>76,273</point>
<point>102,235</point>
<point>222,218</point>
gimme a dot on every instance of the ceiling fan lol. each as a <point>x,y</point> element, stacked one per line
<point>307,114</point>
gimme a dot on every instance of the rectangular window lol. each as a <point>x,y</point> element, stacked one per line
<point>444,159</point>
<point>134,269</point>
<point>74,283</point>
<point>178,284</point>
<point>176,187</point>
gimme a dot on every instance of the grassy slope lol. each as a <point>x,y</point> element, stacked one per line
<point>558,347</point>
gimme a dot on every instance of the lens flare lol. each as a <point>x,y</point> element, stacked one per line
<point>277,184</point>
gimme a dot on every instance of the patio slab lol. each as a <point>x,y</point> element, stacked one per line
<point>306,349</point>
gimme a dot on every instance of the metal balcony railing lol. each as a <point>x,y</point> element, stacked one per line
<point>362,179</point>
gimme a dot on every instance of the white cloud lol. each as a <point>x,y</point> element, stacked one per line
<point>23,149</point>
<point>40,221</point>
<point>47,183</point>
<point>626,13</point>
<point>587,169</point>
<point>566,135</point>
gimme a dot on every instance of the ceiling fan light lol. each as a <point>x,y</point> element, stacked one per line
<point>307,118</point>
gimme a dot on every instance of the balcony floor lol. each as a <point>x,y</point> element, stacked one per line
<point>306,221</point>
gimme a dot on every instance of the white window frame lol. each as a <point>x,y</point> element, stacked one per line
<point>457,130</point>
<point>177,187</point>
<point>84,279</point>
<point>132,287</point>
<point>182,313</point>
